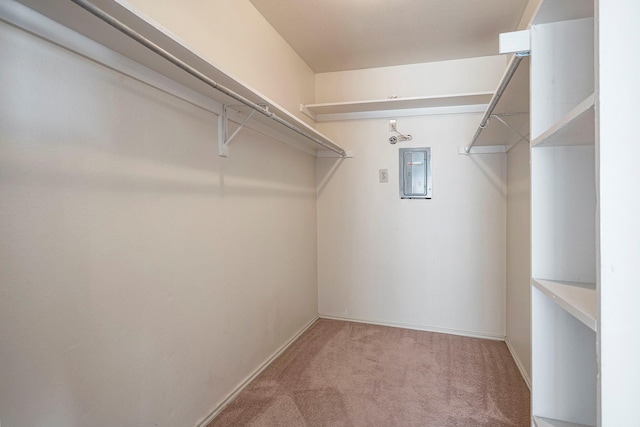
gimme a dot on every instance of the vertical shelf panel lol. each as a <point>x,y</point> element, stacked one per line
<point>619,151</point>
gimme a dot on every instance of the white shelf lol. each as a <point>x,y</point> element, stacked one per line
<point>77,19</point>
<point>578,299</point>
<point>548,422</point>
<point>398,107</point>
<point>577,127</point>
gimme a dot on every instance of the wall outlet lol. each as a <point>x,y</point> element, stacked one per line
<point>383,174</point>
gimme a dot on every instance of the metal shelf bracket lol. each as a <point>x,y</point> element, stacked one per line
<point>508,126</point>
<point>223,130</point>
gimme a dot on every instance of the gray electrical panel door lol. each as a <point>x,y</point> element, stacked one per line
<point>415,173</point>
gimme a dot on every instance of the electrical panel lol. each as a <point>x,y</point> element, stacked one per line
<point>415,173</point>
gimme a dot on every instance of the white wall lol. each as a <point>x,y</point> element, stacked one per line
<point>519,242</point>
<point>232,35</point>
<point>519,255</point>
<point>432,264</point>
<point>428,79</point>
<point>142,277</point>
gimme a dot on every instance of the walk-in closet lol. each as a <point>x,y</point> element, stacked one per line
<point>319,213</point>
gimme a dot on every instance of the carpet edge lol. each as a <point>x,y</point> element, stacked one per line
<point>519,364</point>
<point>424,328</point>
<point>244,383</point>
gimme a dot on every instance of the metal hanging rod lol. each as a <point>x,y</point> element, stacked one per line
<point>130,32</point>
<point>509,114</point>
<point>496,97</point>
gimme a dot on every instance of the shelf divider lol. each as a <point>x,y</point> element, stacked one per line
<point>548,422</point>
<point>577,127</point>
<point>578,299</point>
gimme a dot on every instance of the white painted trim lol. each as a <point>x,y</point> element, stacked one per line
<point>235,392</point>
<point>519,364</point>
<point>425,328</point>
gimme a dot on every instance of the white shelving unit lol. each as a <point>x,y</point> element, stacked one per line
<point>75,20</point>
<point>563,217</point>
<point>398,107</point>
<point>585,214</point>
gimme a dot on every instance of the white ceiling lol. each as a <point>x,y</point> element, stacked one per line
<point>337,35</point>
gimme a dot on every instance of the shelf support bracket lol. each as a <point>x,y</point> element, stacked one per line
<point>508,126</point>
<point>223,131</point>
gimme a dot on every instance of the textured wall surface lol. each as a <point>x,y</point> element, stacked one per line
<point>142,277</point>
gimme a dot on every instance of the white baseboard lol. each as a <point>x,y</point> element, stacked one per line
<point>215,411</point>
<point>519,364</point>
<point>425,328</point>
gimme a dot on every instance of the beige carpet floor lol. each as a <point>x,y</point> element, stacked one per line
<point>351,374</point>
